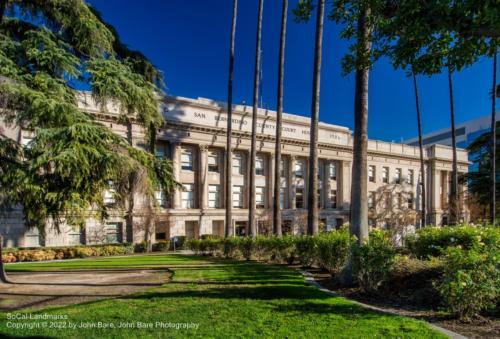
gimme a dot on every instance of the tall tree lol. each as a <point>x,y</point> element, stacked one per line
<point>493,143</point>
<point>252,227</point>
<point>229,151</point>
<point>423,212</point>
<point>454,208</point>
<point>279,114</point>
<point>65,170</point>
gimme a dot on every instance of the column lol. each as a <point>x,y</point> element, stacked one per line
<point>344,185</point>
<point>326,184</point>
<point>291,182</point>
<point>176,168</point>
<point>202,177</point>
<point>270,182</point>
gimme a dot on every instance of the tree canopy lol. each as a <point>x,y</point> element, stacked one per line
<point>49,49</point>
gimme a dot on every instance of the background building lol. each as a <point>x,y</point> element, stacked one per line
<point>193,137</point>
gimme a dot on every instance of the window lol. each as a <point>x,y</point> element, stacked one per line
<point>75,237</point>
<point>299,197</point>
<point>109,194</point>
<point>238,163</point>
<point>410,201</point>
<point>398,176</point>
<point>319,198</point>
<point>385,175</point>
<point>282,197</point>
<point>299,169</point>
<point>214,196</point>
<point>371,199</point>
<point>187,160</point>
<point>213,162</point>
<point>260,197</point>
<point>161,236</point>
<point>371,173</point>
<point>238,196</point>
<point>113,232</point>
<point>282,168</point>
<point>333,198</point>
<point>161,150</point>
<point>332,168</point>
<point>187,196</point>
<point>161,198</point>
<point>259,165</point>
<point>411,176</point>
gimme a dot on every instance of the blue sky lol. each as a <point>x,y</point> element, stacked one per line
<point>189,41</point>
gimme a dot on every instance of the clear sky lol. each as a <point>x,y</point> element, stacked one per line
<point>189,41</point>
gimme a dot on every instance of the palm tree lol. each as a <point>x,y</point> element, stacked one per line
<point>493,142</point>
<point>312,199</point>
<point>3,276</point>
<point>279,111</point>
<point>229,153</point>
<point>359,189</point>
<point>421,148</point>
<point>454,173</point>
<point>253,152</point>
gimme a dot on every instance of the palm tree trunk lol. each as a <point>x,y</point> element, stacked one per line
<point>229,153</point>
<point>129,218</point>
<point>454,173</point>
<point>312,196</point>
<point>493,143</point>
<point>3,275</point>
<point>253,152</point>
<point>421,148</point>
<point>279,113</point>
<point>359,189</point>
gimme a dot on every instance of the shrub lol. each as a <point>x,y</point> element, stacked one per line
<point>180,244</point>
<point>285,249</point>
<point>332,250</point>
<point>434,241</point>
<point>471,281</point>
<point>231,247</point>
<point>305,247</point>
<point>373,261</point>
<point>161,246</point>
<point>246,246</point>
<point>141,247</point>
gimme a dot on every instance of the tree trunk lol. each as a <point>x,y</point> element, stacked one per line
<point>493,144</point>
<point>229,153</point>
<point>421,148</point>
<point>129,218</point>
<point>253,151</point>
<point>453,220</point>
<point>3,275</point>
<point>312,196</point>
<point>279,112</point>
<point>359,190</point>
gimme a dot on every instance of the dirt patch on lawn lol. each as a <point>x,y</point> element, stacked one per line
<point>40,289</point>
<point>420,304</point>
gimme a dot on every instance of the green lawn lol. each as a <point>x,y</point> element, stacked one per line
<point>226,299</point>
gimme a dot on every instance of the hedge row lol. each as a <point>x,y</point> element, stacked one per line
<point>52,253</point>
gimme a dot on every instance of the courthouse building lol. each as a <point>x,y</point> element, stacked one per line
<point>194,138</point>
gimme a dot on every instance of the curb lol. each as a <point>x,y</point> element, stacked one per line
<point>310,280</point>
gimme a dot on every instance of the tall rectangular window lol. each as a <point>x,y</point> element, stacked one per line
<point>398,176</point>
<point>282,169</point>
<point>161,198</point>
<point>260,200</point>
<point>333,198</point>
<point>187,196</point>
<point>110,194</point>
<point>259,165</point>
<point>299,197</point>
<point>385,175</point>
<point>238,163</point>
<point>213,162</point>
<point>410,201</point>
<point>214,196</point>
<point>371,199</point>
<point>299,169</point>
<point>238,196</point>
<point>371,173</point>
<point>75,236</point>
<point>411,176</point>
<point>187,159</point>
<point>114,232</point>
<point>332,169</point>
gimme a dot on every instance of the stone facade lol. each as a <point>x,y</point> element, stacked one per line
<point>193,137</point>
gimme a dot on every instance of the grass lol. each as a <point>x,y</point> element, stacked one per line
<point>226,298</point>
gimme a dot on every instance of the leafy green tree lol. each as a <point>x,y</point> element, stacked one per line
<point>47,50</point>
